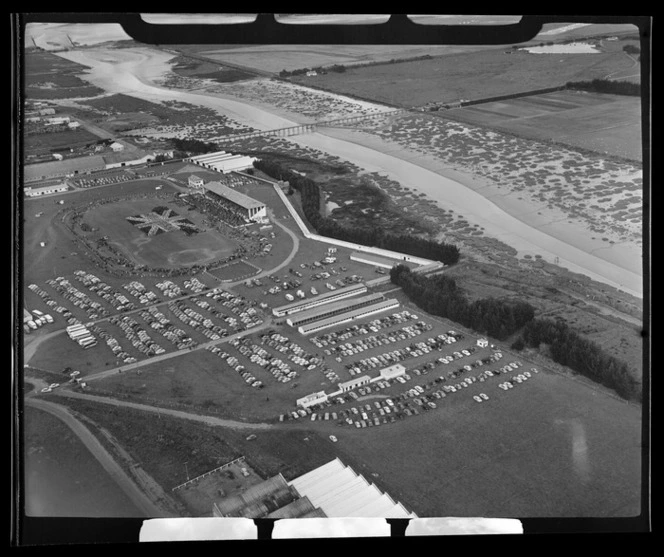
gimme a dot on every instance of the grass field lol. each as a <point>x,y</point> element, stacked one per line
<point>170,249</point>
<point>48,76</point>
<point>603,123</point>
<point>63,479</point>
<point>549,447</point>
<point>470,75</point>
<point>46,142</point>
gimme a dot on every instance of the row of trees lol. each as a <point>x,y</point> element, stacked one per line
<point>569,348</point>
<point>194,146</point>
<point>607,86</point>
<point>310,199</point>
<point>440,295</point>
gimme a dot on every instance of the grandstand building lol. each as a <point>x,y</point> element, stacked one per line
<point>326,298</point>
<point>242,204</point>
<point>224,162</point>
<point>332,490</point>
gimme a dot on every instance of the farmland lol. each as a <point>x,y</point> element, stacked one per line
<point>469,75</point>
<point>602,123</point>
<point>48,76</point>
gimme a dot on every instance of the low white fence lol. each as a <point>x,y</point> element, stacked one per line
<point>358,247</point>
<point>237,460</point>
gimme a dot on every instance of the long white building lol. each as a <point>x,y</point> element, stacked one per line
<point>332,309</point>
<point>224,162</point>
<point>348,316</point>
<point>326,298</point>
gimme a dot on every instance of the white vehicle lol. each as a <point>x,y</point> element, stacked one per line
<point>477,398</point>
<point>534,370</point>
<point>484,396</point>
<point>46,390</point>
<point>54,385</point>
<point>333,439</point>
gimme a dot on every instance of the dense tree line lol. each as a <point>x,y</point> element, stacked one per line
<point>440,295</point>
<point>310,198</point>
<point>569,348</point>
<point>607,86</point>
<point>194,145</point>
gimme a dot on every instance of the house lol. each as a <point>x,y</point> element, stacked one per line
<point>73,125</point>
<point>196,181</point>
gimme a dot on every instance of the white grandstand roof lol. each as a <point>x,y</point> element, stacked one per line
<point>233,195</point>
<point>339,491</point>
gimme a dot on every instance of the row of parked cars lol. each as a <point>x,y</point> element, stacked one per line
<point>73,295</point>
<point>160,323</point>
<point>274,365</point>
<point>375,325</point>
<point>116,299</point>
<point>292,350</point>
<point>342,350</point>
<point>201,324</point>
<point>234,363</point>
<point>169,289</point>
<point>138,290</point>
<point>121,354</point>
<point>137,335</point>
<point>237,305</point>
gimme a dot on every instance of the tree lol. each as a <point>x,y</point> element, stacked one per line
<point>518,344</point>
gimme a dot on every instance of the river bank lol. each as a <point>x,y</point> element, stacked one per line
<point>530,229</point>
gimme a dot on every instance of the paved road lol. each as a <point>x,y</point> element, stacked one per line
<point>138,497</point>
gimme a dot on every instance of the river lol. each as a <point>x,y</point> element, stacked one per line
<point>134,71</point>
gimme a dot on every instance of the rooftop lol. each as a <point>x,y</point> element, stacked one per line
<point>63,167</point>
<point>233,195</point>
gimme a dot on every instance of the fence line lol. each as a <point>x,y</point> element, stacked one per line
<point>342,243</point>
<point>239,459</point>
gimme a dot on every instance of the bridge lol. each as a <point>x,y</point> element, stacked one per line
<point>312,127</point>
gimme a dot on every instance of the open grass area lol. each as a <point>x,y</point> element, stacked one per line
<point>172,248</point>
<point>608,124</point>
<point>37,143</point>
<point>470,75</point>
<point>48,76</point>
<point>549,447</point>
<point>62,478</point>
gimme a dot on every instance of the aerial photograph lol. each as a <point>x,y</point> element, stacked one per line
<point>332,280</point>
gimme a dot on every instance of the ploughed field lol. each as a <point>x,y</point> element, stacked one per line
<point>470,75</point>
<point>609,124</point>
